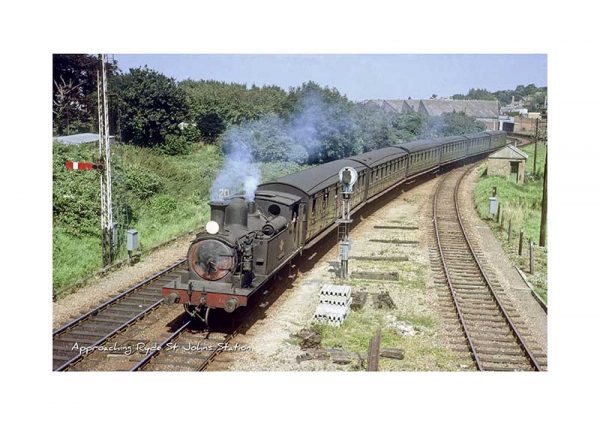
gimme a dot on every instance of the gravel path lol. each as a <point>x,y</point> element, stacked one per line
<point>105,287</point>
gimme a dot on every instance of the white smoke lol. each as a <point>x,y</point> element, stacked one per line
<point>299,138</point>
<point>239,171</point>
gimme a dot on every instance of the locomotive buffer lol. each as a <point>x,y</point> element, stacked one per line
<point>347,176</point>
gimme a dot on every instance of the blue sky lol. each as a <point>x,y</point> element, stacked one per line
<point>358,76</point>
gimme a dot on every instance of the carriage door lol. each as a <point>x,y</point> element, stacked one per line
<point>300,224</point>
<point>296,224</point>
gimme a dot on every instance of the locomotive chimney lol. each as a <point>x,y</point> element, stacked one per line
<point>236,213</point>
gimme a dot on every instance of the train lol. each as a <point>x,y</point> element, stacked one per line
<point>247,241</point>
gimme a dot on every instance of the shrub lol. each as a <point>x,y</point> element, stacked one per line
<point>164,204</point>
<point>175,145</point>
<point>141,183</point>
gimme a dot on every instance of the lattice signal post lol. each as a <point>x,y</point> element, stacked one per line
<point>105,176</point>
<point>347,176</point>
<point>103,166</point>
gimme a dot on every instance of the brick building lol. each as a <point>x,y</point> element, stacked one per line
<point>508,162</point>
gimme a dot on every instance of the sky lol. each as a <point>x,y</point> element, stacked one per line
<point>359,77</point>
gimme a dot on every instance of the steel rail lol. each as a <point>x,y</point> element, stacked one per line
<point>449,281</point>
<point>117,298</point>
<point>153,353</point>
<point>511,324</point>
<point>104,338</point>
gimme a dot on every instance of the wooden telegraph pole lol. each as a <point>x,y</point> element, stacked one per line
<point>544,204</point>
<point>535,141</point>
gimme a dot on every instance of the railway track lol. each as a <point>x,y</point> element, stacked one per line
<point>185,350</point>
<point>111,317</point>
<point>480,314</point>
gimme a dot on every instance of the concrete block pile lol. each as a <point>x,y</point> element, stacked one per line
<point>334,304</point>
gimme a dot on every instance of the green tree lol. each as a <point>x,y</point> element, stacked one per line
<point>453,124</point>
<point>74,91</point>
<point>151,106</point>
<point>214,105</point>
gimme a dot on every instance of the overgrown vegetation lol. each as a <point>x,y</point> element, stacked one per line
<point>520,206</point>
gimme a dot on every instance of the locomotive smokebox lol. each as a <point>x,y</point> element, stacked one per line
<point>236,213</point>
<point>217,212</point>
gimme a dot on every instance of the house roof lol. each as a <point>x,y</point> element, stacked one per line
<point>473,108</point>
<point>437,107</point>
<point>398,105</point>
<point>76,139</point>
<point>509,152</point>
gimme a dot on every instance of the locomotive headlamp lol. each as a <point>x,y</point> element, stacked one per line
<point>212,227</point>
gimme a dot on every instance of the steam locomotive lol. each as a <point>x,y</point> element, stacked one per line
<point>247,241</point>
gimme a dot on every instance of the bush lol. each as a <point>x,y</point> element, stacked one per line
<point>164,204</point>
<point>76,194</point>
<point>141,183</point>
<point>175,145</point>
<point>191,133</point>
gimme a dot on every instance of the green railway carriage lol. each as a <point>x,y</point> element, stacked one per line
<point>252,239</point>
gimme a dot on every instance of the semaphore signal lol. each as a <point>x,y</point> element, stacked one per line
<point>104,166</point>
<point>83,166</point>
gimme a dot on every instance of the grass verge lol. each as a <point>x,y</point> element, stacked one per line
<point>520,206</point>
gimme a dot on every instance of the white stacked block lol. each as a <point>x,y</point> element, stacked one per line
<point>334,304</point>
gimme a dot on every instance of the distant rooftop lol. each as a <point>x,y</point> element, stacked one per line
<point>509,152</point>
<point>437,107</point>
<point>77,139</point>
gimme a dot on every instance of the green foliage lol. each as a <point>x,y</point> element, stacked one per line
<point>214,105</point>
<point>164,204</point>
<point>267,138</point>
<point>151,106</point>
<point>75,196</point>
<point>452,124</point>
<point>141,183</point>
<point>476,94</point>
<point>74,92</point>
<point>175,145</point>
<point>532,96</point>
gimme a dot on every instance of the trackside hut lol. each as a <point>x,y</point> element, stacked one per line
<point>508,162</point>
